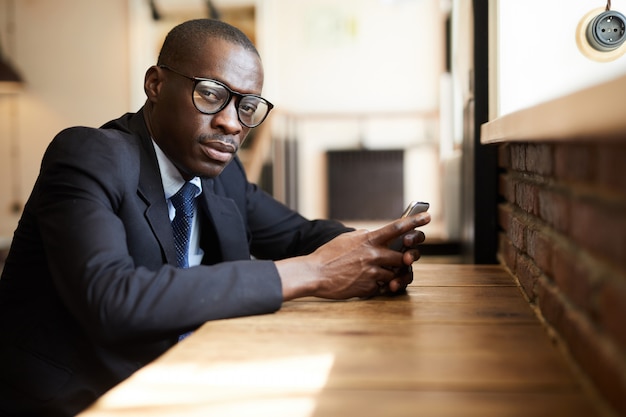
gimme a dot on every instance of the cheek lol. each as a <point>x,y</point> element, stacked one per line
<point>184,128</point>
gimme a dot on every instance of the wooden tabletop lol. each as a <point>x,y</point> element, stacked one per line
<point>462,342</point>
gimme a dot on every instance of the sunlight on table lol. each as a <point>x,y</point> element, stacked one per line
<point>254,388</point>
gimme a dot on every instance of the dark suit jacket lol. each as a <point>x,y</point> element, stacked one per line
<point>90,291</point>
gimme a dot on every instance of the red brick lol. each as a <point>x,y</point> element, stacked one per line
<point>514,182</point>
<point>572,260</point>
<point>517,233</point>
<point>573,277</point>
<point>539,248</point>
<point>611,170</point>
<point>600,229</point>
<point>594,353</point>
<point>574,162</point>
<point>598,358</point>
<point>554,208</point>
<point>550,304</point>
<point>605,373</point>
<point>526,197</point>
<point>527,274</point>
<point>518,157</point>
<point>539,159</point>
<point>612,309</point>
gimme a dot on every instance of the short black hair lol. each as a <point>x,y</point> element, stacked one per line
<point>186,39</point>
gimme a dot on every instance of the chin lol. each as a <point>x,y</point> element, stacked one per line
<point>211,170</point>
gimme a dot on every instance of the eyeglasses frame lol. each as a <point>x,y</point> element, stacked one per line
<point>232,93</point>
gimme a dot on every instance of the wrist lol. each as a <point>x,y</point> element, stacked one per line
<point>298,277</point>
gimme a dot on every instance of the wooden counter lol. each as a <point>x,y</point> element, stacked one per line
<point>591,114</point>
<point>462,342</point>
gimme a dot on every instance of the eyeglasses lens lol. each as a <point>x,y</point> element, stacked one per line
<point>210,97</point>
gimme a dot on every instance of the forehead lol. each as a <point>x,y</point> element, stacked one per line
<point>229,63</point>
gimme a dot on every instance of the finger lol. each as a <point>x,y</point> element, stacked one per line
<point>393,258</point>
<point>410,256</point>
<point>385,275</point>
<point>396,285</point>
<point>413,238</point>
<point>398,227</point>
<point>380,286</point>
<point>401,282</point>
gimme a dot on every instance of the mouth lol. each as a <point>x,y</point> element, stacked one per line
<point>218,150</point>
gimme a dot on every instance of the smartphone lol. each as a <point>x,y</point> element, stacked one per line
<point>414,207</point>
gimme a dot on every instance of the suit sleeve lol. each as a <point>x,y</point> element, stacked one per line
<point>82,200</point>
<point>277,232</point>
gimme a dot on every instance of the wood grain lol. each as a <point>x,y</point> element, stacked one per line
<point>461,342</point>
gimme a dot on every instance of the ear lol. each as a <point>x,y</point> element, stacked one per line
<point>152,83</point>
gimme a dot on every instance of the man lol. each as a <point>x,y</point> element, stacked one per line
<point>94,288</point>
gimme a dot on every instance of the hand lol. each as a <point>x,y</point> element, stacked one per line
<point>403,277</point>
<point>355,264</point>
<point>404,273</point>
<point>411,239</point>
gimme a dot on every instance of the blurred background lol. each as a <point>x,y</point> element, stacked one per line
<point>357,87</point>
<point>374,99</point>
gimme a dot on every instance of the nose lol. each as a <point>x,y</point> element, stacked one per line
<point>227,119</point>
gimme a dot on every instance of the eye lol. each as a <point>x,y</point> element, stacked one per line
<point>248,105</point>
<point>210,92</point>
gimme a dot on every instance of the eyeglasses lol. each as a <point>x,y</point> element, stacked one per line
<point>211,96</point>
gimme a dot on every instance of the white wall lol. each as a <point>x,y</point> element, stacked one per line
<point>74,57</point>
<point>541,60</point>
<point>356,73</point>
<point>84,61</point>
<point>353,55</point>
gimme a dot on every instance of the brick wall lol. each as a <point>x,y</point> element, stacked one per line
<point>562,219</point>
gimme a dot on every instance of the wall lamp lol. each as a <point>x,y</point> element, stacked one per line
<point>10,79</point>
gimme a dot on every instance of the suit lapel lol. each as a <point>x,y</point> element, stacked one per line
<point>221,211</point>
<point>231,234</point>
<point>150,190</point>
<point>156,212</point>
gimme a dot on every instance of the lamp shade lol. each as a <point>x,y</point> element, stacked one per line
<point>10,79</point>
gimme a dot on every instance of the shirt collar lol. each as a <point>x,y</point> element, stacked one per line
<point>170,176</point>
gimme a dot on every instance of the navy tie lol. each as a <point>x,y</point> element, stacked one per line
<point>183,203</point>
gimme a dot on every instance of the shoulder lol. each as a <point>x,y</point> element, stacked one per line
<point>83,137</point>
<point>109,157</point>
<point>112,147</point>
